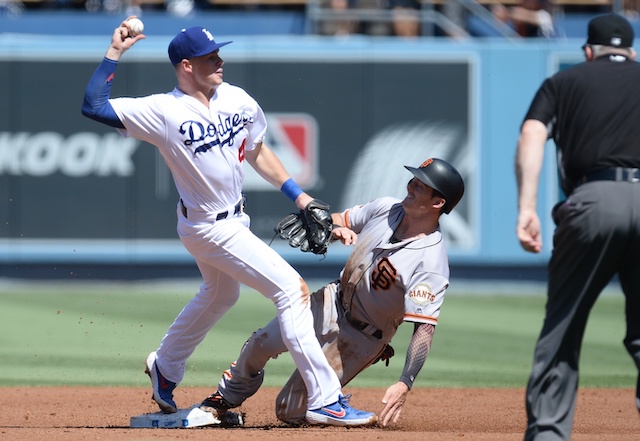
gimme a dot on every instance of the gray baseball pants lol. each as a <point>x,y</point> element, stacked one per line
<point>597,237</point>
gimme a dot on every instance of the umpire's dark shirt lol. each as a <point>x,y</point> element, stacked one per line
<point>593,111</point>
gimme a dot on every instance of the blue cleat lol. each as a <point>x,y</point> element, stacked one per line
<point>341,414</point>
<point>162,388</point>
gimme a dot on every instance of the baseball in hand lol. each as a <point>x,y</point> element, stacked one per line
<point>136,26</point>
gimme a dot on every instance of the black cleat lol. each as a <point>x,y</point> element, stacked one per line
<point>219,407</point>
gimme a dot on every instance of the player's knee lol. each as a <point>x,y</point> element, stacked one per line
<point>254,342</point>
<point>262,344</point>
<point>224,299</point>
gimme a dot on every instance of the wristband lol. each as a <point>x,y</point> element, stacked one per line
<point>407,381</point>
<point>291,189</point>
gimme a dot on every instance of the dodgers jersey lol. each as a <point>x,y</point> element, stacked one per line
<point>203,147</point>
<point>386,283</point>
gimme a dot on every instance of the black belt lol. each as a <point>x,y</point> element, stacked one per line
<point>222,215</point>
<point>362,326</point>
<point>620,174</point>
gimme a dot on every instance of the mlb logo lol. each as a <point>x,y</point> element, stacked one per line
<point>294,139</point>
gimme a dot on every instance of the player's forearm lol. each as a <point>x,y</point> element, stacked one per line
<point>114,53</point>
<point>267,164</point>
<point>417,352</point>
<point>529,158</point>
<point>96,97</point>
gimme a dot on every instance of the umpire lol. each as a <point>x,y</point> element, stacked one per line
<point>592,112</point>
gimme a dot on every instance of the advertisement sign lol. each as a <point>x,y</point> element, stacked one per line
<point>344,142</point>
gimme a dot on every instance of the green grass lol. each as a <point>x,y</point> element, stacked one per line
<point>100,335</point>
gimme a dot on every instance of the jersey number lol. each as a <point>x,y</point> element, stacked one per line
<point>241,151</point>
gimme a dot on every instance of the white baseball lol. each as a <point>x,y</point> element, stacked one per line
<point>136,26</point>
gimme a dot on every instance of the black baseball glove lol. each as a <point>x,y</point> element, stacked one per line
<point>319,226</point>
<point>310,229</point>
<point>292,228</point>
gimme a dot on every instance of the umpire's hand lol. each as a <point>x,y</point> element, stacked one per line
<point>528,231</point>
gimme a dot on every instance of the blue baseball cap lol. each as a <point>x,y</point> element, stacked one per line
<point>192,42</point>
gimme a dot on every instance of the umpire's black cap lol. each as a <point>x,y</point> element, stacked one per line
<point>610,30</point>
<point>443,177</point>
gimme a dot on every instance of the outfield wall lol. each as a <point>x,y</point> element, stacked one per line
<point>345,116</point>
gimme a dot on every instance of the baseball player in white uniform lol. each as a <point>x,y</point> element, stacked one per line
<point>205,129</point>
<point>397,272</point>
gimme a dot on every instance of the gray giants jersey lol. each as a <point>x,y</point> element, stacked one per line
<point>386,283</point>
<point>203,146</point>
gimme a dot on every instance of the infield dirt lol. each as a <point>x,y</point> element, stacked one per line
<point>92,413</point>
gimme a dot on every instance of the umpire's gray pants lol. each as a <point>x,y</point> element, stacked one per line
<point>597,236</point>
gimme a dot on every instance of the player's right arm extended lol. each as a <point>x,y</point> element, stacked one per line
<point>96,103</point>
<point>417,352</point>
<point>96,96</point>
